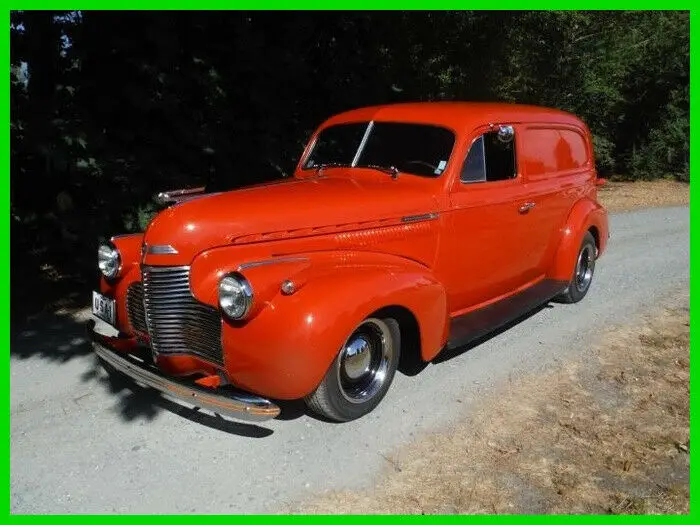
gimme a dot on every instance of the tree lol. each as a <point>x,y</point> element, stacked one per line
<point>107,108</point>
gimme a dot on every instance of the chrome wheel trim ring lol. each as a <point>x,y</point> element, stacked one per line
<point>363,364</point>
<point>584,268</point>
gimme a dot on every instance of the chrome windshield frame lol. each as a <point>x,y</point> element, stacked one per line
<point>363,142</point>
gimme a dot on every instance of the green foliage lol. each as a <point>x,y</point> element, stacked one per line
<point>604,150</point>
<point>109,108</point>
<point>138,219</point>
<point>666,150</point>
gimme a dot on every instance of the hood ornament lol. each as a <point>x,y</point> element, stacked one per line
<point>174,196</point>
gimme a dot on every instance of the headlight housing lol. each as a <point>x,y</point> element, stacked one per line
<point>108,260</point>
<point>235,295</point>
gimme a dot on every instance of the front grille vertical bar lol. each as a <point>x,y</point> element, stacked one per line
<point>135,309</point>
<point>177,322</point>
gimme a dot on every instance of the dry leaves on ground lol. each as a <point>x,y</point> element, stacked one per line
<point>608,434</point>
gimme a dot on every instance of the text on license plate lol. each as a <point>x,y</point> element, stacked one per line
<point>104,308</point>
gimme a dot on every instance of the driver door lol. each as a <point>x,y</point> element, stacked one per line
<point>487,225</point>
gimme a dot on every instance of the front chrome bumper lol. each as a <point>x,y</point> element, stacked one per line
<point>234,404</point>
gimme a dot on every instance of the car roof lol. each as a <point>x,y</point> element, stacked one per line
<point>457,116</point>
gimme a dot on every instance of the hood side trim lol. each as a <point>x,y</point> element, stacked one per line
<point>330,229</point>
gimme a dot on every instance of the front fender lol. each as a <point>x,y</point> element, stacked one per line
<point>586,213</point>
<point>265,274</point>
<point>129,247</point>
<point>285,349</point>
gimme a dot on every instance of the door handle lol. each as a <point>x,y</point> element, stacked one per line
<point>526,207</point>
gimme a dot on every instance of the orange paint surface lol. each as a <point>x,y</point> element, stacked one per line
<point>356,240</point>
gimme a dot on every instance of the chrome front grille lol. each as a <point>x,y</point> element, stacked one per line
<point>177,322</point>
<point>134,308</point>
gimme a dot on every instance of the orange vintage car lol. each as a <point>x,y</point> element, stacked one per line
<point>406,229</point>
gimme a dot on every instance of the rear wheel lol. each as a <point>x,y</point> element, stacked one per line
<point>362,372</point>
<point>583,272</point>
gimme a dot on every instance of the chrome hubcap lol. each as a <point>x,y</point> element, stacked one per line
<point>364,361</point>
<point>584,268</point>
<point>357,358</point>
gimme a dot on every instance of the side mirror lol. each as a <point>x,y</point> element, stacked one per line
<point>505,134</point>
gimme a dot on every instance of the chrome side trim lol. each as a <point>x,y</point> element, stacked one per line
<point>423,217</point>
<point>122,235</point>
<point>163,268</point>
<point>361,147</point>
<point>229,403</point>
<point>254,264</point>
<point>161,249</point>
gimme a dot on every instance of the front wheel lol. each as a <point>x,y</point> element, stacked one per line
<point>361,374</point>
<point>583,272</point>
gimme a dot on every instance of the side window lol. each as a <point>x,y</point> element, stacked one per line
<point>491,157</point>
<point>474,169</point>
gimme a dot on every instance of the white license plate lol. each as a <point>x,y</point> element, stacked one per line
<point>104,308</point>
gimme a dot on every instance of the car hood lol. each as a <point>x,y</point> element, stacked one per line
<point>286,209</point>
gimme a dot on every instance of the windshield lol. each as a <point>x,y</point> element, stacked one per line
<point>418,149</point>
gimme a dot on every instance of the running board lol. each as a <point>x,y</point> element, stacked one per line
<point>472,325</point>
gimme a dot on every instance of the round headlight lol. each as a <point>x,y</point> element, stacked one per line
<point>235,295</point>
<point>108,260</point>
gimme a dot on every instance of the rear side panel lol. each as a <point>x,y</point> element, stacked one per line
<point>558,168</point>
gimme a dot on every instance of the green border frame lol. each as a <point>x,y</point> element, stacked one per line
<point>694,217</point>
<point>345,5</point>
<point>372,5</point>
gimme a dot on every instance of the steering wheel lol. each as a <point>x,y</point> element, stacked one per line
<point>422,163</point>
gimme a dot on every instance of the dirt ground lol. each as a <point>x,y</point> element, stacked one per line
<point>625,196</point>
<point>607,434</point>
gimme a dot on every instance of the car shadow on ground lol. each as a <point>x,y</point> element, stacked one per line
<point>137,402</point>
<point>61,337</point>
<point>57,338</point>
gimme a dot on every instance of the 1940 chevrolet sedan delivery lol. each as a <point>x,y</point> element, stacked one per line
<point>405,229</point>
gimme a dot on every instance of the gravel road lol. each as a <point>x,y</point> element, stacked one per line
<point>84,443</point>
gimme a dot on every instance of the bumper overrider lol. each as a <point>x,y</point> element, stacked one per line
<point>238,405</point>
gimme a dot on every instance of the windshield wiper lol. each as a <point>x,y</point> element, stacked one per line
<point>391,170</point>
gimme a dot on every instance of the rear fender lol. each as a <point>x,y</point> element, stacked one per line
<point>585,214</point>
